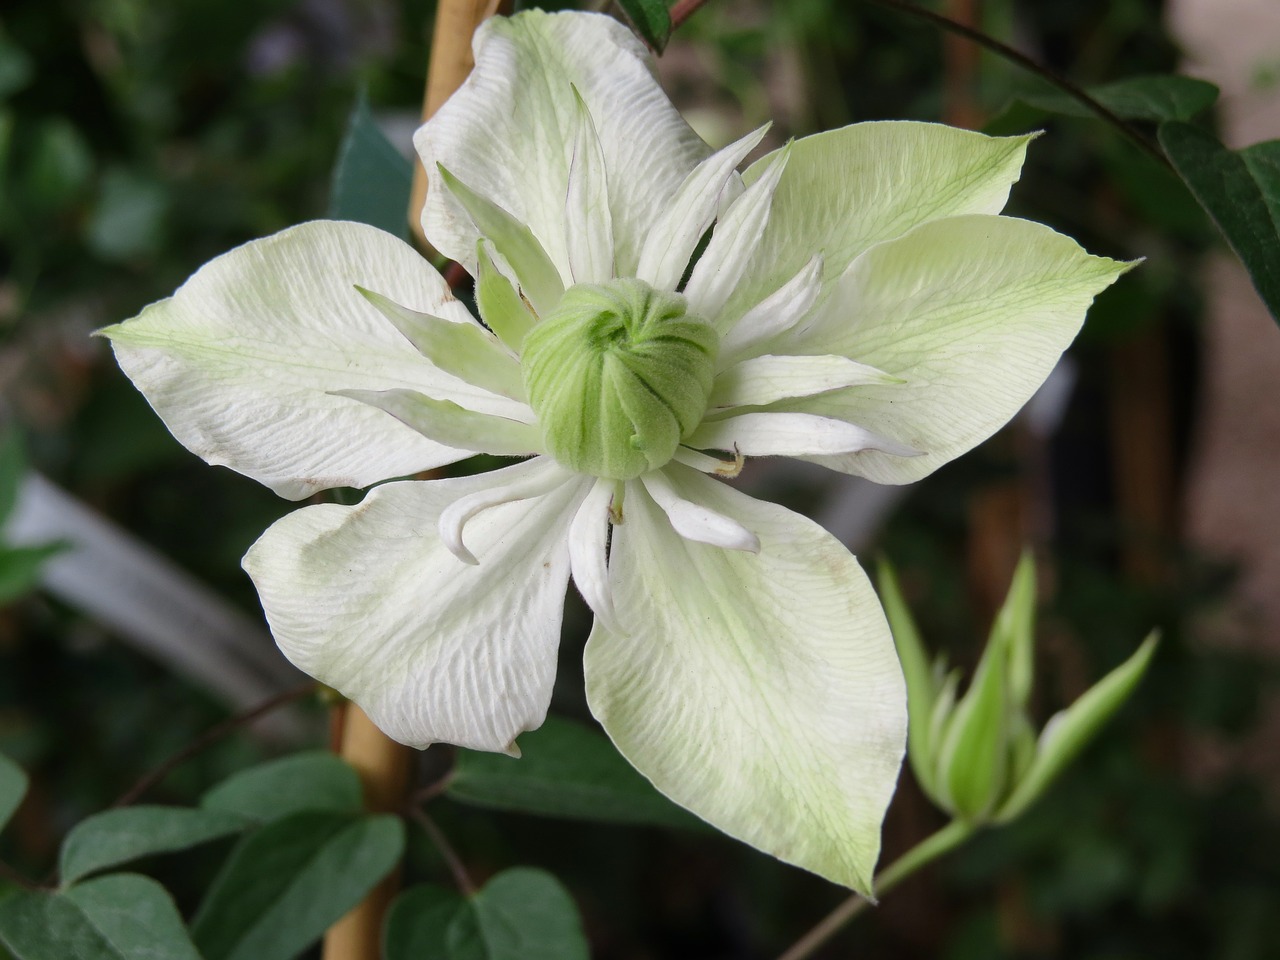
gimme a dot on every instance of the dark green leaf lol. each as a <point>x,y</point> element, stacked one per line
<point>1154,98</point>
<point>13,467</point>
<point>20,568</point>
<point>121,917</point>
<point>372,180</point>
<point>1240,190</point>
<point>566,770</point>
<point>13,787</point>
<point>650,19</point>
<point>314,780</point>
<point>287,882</point>
<point>418,923</point>
<point>520,914</point>
<point>117,836</point>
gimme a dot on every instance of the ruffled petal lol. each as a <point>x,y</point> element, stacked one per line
<point>761,691</point>
<point>971,313</point>
<point>369,600</point>
<point>243,362</point>
<point>508,133</point>
<point>846,190</point>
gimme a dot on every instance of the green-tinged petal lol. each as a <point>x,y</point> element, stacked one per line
<point>243,361</point>
<point>508,132</point>
<point>588,223</point>
<point>541,281</point>
<point>1073,729</point>
<point>708,189</point>
<point>763,380</point>
<point>922,683</point>
<point>466,350</point>
<point>501,307</point>
<point>446,422</point>
<point>972,313</point>
<point>760,691</point>
<point>369,600</point>
<point>846,190</point>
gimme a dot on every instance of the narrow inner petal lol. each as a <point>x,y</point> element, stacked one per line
<point>588,222</point>
<point>588,553</point>
<point>533,478</point>
<point>454,425</point>
<point>768,379</point>
<point>775,314</point>
<point>693,521</point>
<point>769,434</point>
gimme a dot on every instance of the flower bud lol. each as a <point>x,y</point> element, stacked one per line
<point>617,374</point>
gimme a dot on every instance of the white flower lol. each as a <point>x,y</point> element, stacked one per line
<point>860,304</point>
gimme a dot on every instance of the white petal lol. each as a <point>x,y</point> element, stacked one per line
<point>523,481</point>
<point>696,521</point>
<point>588,223</point>
<point>446,422</point>
<point>775,314</point>
<point>243,361</point>
<point>761,691</point>
<point>790,435</point>
<point>763,380</point>
<point>368,600</point>
<point>722,264</point>
<point>672,240</point>
<point>972,312</point>
<point>846,190</point>
<point>507,132</point>
<point>465,350</point>
<point>588,552</point>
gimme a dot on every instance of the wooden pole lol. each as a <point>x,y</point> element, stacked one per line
<point>384,765</point>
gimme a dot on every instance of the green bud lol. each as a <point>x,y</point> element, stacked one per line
<point>618,373</point>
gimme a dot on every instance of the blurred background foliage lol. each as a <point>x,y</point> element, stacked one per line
<point>139,138</point>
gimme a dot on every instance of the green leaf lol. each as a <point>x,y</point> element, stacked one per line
<point>13,467</point>
<point>372,179</point>
<point>20,568</point>
<point>114,837</point>
<point>922,682</point>
<point>312,780</point>
<point>521,914</point>
<point>650,19</point>
<point>287,882</point>
<point>418,923</point>
<point>120,917</point>
<point>565,770</point>
<point>1240,190</point>
<point>1155,98</point>
<point>128,218</point>
<point>13,787</point>
<point>1073,729</point>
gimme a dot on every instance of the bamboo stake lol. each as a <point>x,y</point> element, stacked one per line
<point>383,764</point>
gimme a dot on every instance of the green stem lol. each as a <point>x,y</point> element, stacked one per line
<point>924,852</point>
<point>1072,90</point>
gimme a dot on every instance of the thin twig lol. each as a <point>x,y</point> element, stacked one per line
<point>212,736</point>
<point>924,852</point>
<point>451,858</point>
<point>682,10</point>
<point>1021,59</point>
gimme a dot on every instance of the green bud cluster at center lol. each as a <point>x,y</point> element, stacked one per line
<point>618,373</point>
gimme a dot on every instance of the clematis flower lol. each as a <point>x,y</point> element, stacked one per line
<point>860,303</point>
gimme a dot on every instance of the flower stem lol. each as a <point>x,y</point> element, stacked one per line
<point>925,852</point>
<point>1071,89</point>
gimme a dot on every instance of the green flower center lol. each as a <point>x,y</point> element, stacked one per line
<point>618,373</point>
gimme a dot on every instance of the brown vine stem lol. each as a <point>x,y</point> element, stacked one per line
<point>210,737</point>
<point>1076,92</point>
<point>450,856</point>
<point>924,852</point>
<point>682,10</point>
